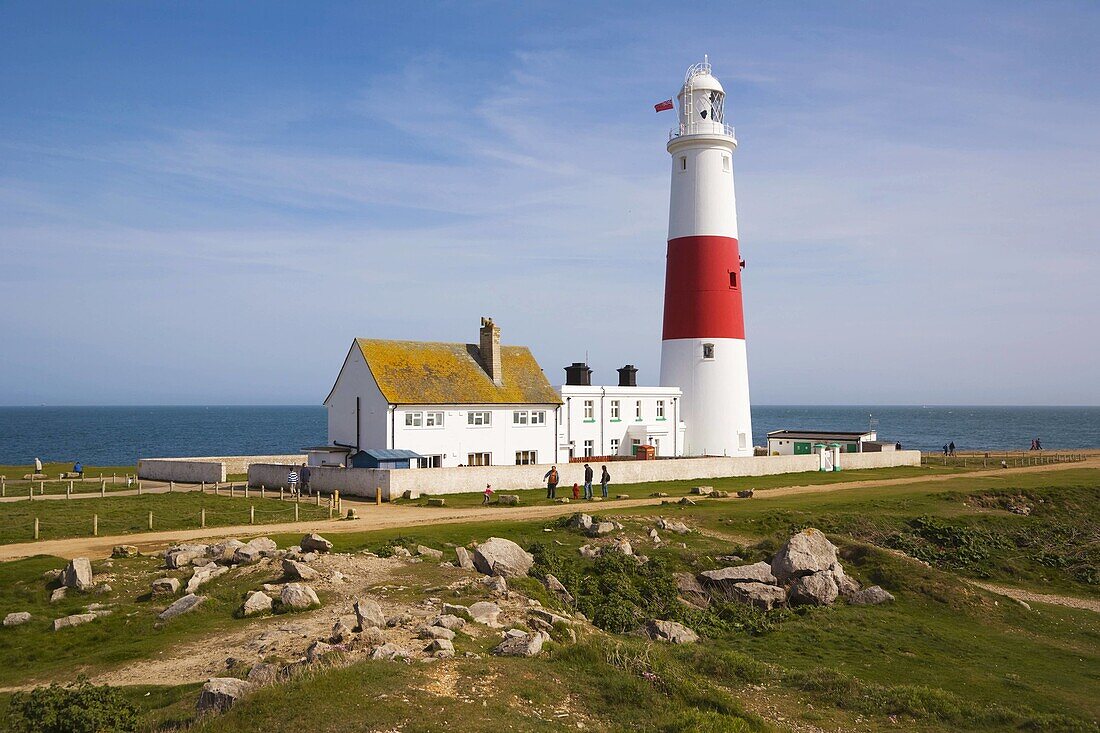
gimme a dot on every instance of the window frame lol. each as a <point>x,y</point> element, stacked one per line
<point>474,416</point>
<point>615,411</point>
<point>589,448</point>
<point>589,411</point>
<point>527,457</point>
<point>708,352</point>
<point>660,409</point>
<point>486,455</point>
<point>434,418</point>
<point>520,417</point>
<point>637,410</point>
<point>414,419</point>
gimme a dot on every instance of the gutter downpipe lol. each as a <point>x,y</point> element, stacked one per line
<point>603,400</point>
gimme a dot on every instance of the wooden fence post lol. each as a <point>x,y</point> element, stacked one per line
<point>95,525</point>
<point>232,489</point>
<point>41,488</point>
<point>69,491</point>
<point>217,489</point>
<point>36,527</point>
<point>103,489</point>
<point>262,492</point>
<point>252,515</point>
<point>295,511</point>
<point>3,485</point>
<point>203,487</point>
<point>150,520</point>
<point>280,493</point>
<point>202,517</point>
<point>171,486</point>
<point>139,487</point>
<point>336,499</point>
<point>246,491</point>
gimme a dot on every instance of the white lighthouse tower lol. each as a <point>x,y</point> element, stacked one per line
<point>703,347</point>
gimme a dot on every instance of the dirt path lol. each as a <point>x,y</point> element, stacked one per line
<point>391,516</point>
<point>1087,604</point>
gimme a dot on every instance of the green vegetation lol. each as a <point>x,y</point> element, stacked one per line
<point>79,707</point>
<point>55,469</point>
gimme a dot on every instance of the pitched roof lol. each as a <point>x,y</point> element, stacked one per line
<point>435,373</point>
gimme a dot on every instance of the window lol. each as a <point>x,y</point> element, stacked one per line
<point>742,441</point>
<point>683,163</point>
<point>534,417</point>
<point>433,419</point>
<point>638,410</point>
<point>538,417</point>
<point>588,411</point>
<point>519,417</point>
<point>589,448</point>
<point>708,351</point>
<point>733,279</point>
<point>614,409</point>
<point>429,462</point>
<point>479,459</point>
<point>614,446</point>
<point>725,164</point>
<point>660,409</point>
<point>526,457</point>
<point>414,419</point>
<point>634,443</point>
<point>479,418</point>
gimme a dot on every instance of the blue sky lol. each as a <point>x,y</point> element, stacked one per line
<point>205,202</point>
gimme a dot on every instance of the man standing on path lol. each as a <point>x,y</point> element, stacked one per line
<point>305,480</point>
<point>292,480</point>
<point>951,447</point>
<point>605,479</point>
<point>551,477</point>
<point>38,465</point>
<point>587,482</point>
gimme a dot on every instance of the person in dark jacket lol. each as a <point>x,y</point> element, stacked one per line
<point>304,475</point>
<point>587,481</point>
<point>551,477</point>
<point>605,479</point>
<point>951,447</point>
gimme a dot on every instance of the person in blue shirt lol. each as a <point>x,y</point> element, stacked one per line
<point>78,469</point>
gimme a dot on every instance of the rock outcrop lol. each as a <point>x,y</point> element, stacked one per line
<point>522,644</point>
<point>78,574</point>
<point>298,596</point>
<point>182,605</point>
<point>870,596</point>
<point>498,556</point>
<point>807,552</point>
<point>220,693</point>
<point>368,614</point>
<point>17,618</point>
<point>669,631</point>
<point>313,542</point>
<point>257,602</point>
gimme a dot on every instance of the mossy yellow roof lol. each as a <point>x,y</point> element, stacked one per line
<point>435,373</point>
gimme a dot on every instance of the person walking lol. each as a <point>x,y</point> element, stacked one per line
<point>292,480</point>
<point>487,494</point>
<point>587,482</point>
<point>951,447</point>
<point>605,479</point>
<point>305,473</point>
<point>551,477</point>
<point>945,450</point>
<point>1038,444</point>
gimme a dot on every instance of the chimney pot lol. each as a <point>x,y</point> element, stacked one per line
<point>628,376</point>
<point>578,374</point>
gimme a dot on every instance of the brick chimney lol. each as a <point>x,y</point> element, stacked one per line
<point>490,350</point>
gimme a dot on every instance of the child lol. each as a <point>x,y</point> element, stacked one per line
<point>488,493</point>
<point>576,492</point>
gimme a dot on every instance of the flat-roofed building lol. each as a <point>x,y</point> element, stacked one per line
<point>801,442</point>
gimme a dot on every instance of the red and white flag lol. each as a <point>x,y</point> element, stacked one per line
<point>662,106</point>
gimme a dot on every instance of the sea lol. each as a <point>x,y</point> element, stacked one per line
<point>116,436</point>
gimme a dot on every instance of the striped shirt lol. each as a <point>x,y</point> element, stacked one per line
<point>292,477</point>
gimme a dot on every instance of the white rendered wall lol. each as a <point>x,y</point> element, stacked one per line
<point>575,429</point>
<point>715,405</point>
<point>356,380</point>
<point>702,200</point>
<point>456,438</point>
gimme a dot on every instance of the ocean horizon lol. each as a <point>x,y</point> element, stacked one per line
<point>121,434</point>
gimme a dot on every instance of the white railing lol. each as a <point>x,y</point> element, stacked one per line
<point>702,67</point>
<point>701,128</point>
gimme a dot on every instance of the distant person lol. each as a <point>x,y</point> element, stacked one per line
<point>78,469</point>
<point>576,491</point>
<point>129,481</point>
<point>1038,444</point>
<point>305,474</point>
<point>897,445</point>
<point>945,450</point>
<point>487,494</point>
<point>38,465</point>
<point>605,479</point>
<point>587,481</point>
<point>951,447</point>
<point>292,480</point>
<point>551,477</point>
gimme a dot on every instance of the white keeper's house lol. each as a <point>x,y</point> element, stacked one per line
<point>451,404</point>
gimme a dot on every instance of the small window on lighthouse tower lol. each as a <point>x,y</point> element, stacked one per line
<point>725,164</point>
<point>708,351</point>
<point>733,279</point>
<point>683,163</point>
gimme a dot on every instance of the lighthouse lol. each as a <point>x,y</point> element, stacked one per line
<point>703,341</point>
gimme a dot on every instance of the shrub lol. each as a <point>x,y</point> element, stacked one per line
<point>78,707</point>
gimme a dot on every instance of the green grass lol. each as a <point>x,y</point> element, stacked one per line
<point>16,472</point>
<point>120,515</point>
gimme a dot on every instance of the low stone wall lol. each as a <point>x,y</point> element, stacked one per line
<point>199,469</point>
<point>365,481</point>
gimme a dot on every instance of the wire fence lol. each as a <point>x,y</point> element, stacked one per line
<point>1000,459</point>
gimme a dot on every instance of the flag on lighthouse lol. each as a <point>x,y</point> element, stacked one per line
<point>662,106</point>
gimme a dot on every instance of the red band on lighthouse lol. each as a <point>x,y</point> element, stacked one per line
<point>703,289</point>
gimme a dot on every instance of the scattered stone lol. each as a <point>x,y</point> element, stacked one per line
<point>656,538</point>
<point>485,613</point>
<point>622,496</point>
<point>442,647</point>
<point>677,527</point>
<point>17,618</point>
<point>548,616</point>
<point>759,572</point>
<point>508,500</point>
<point>719,494</point>
<point>74,620</point>
<point>498,556</point>
<point>746,493</point>
<point>437,501</point>
<point>263,674</point>
<point>871,596</point>
<point>313,542</point>
<point>389,651</point>
<point>429,552</point>
<point>220,693</point>
<point>621,546</point>
<point>58,594</point>
<point>496,584</point>
<point>255,549</point>
<point>807,552</point>
<point>165,587</point>
<point>124,551</point>
<point>257,603</point>
<point>204,575</point>
<point>554,586</point>
<point>352,514</point>
<point>464,560</point>
<point>298,571</point>
<point>670,631</point>
<point>78,574</point>
<point>590,552</point>
<point>298,596</point>
<point>562,500</point>
<point>702,490</point>
<point>373,636</point>
<point>686,502</point>
<point>449,621</point>
<point>816,589</point>
<point>368,614</point>
<point>180,556</point>
<point>51,576</point>
<point>659,495</point>
<point>399,620</point>
<point>846,585</point>
<point>182,605</point>
<point>316,650</point>
<point>225,551</point>
<point>690,591</point>
<point>436,632</point>
<point>760,595</point>
<point>730,558</point>
<point>519,645</point>
<point>598,529</point>
<point>454,609</point>
<point>580,521</point>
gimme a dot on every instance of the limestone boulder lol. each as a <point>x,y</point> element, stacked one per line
<point>182,605</point>
<point>204,575</point>
<point>372,637</point>
<point>221,693</point>
<point>17,618</point>
<point>318,649</point>
<point>817,589</point>
<point>760,595</point>
<point>759,572</point>
<point>180,556</point>
<point>805,553</point>
<point>225,551</point>
<point>341,632</point>
<point>671,526</point>
<point>669,631</point>
<point>78,574</point>
<point>454,609</point>
<point>702,490</point>
<point>59,594</point>
<point>871,596</point>
<point>429,552</point>
<point>165,587</point>
<point>485,613</point>
<point>554,586</point>
<point>298,596</point>
<point>449,621</point>
<point>313,542</point>
<point>464,560</point>
<point>120,551</point>
<point>520,645</point>
<point>599,529</point>
<point>368,614</point>
<point>690,591</point>
<point>263,674</point>
<point>580,521</point>
<point>498,556</point>
<point>508,500</point>
<point>75,620</point>
<point>496,584</point>
<point>257,602</point>
<point>298,570</point>
<point>442,648</point>
<point>390,651</point>
<point>622,546</point>
<point>436,632</point>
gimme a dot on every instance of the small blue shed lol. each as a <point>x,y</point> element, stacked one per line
<point>383,458</point>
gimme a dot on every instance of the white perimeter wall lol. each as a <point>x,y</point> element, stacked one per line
<point>207,468</point>
<point>365,481</point>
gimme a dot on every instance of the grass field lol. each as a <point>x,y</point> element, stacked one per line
<point>945,656</point>
<point>15,472</point>
<point>120,515</point>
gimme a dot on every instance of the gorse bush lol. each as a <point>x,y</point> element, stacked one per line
<point>79,707</point>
